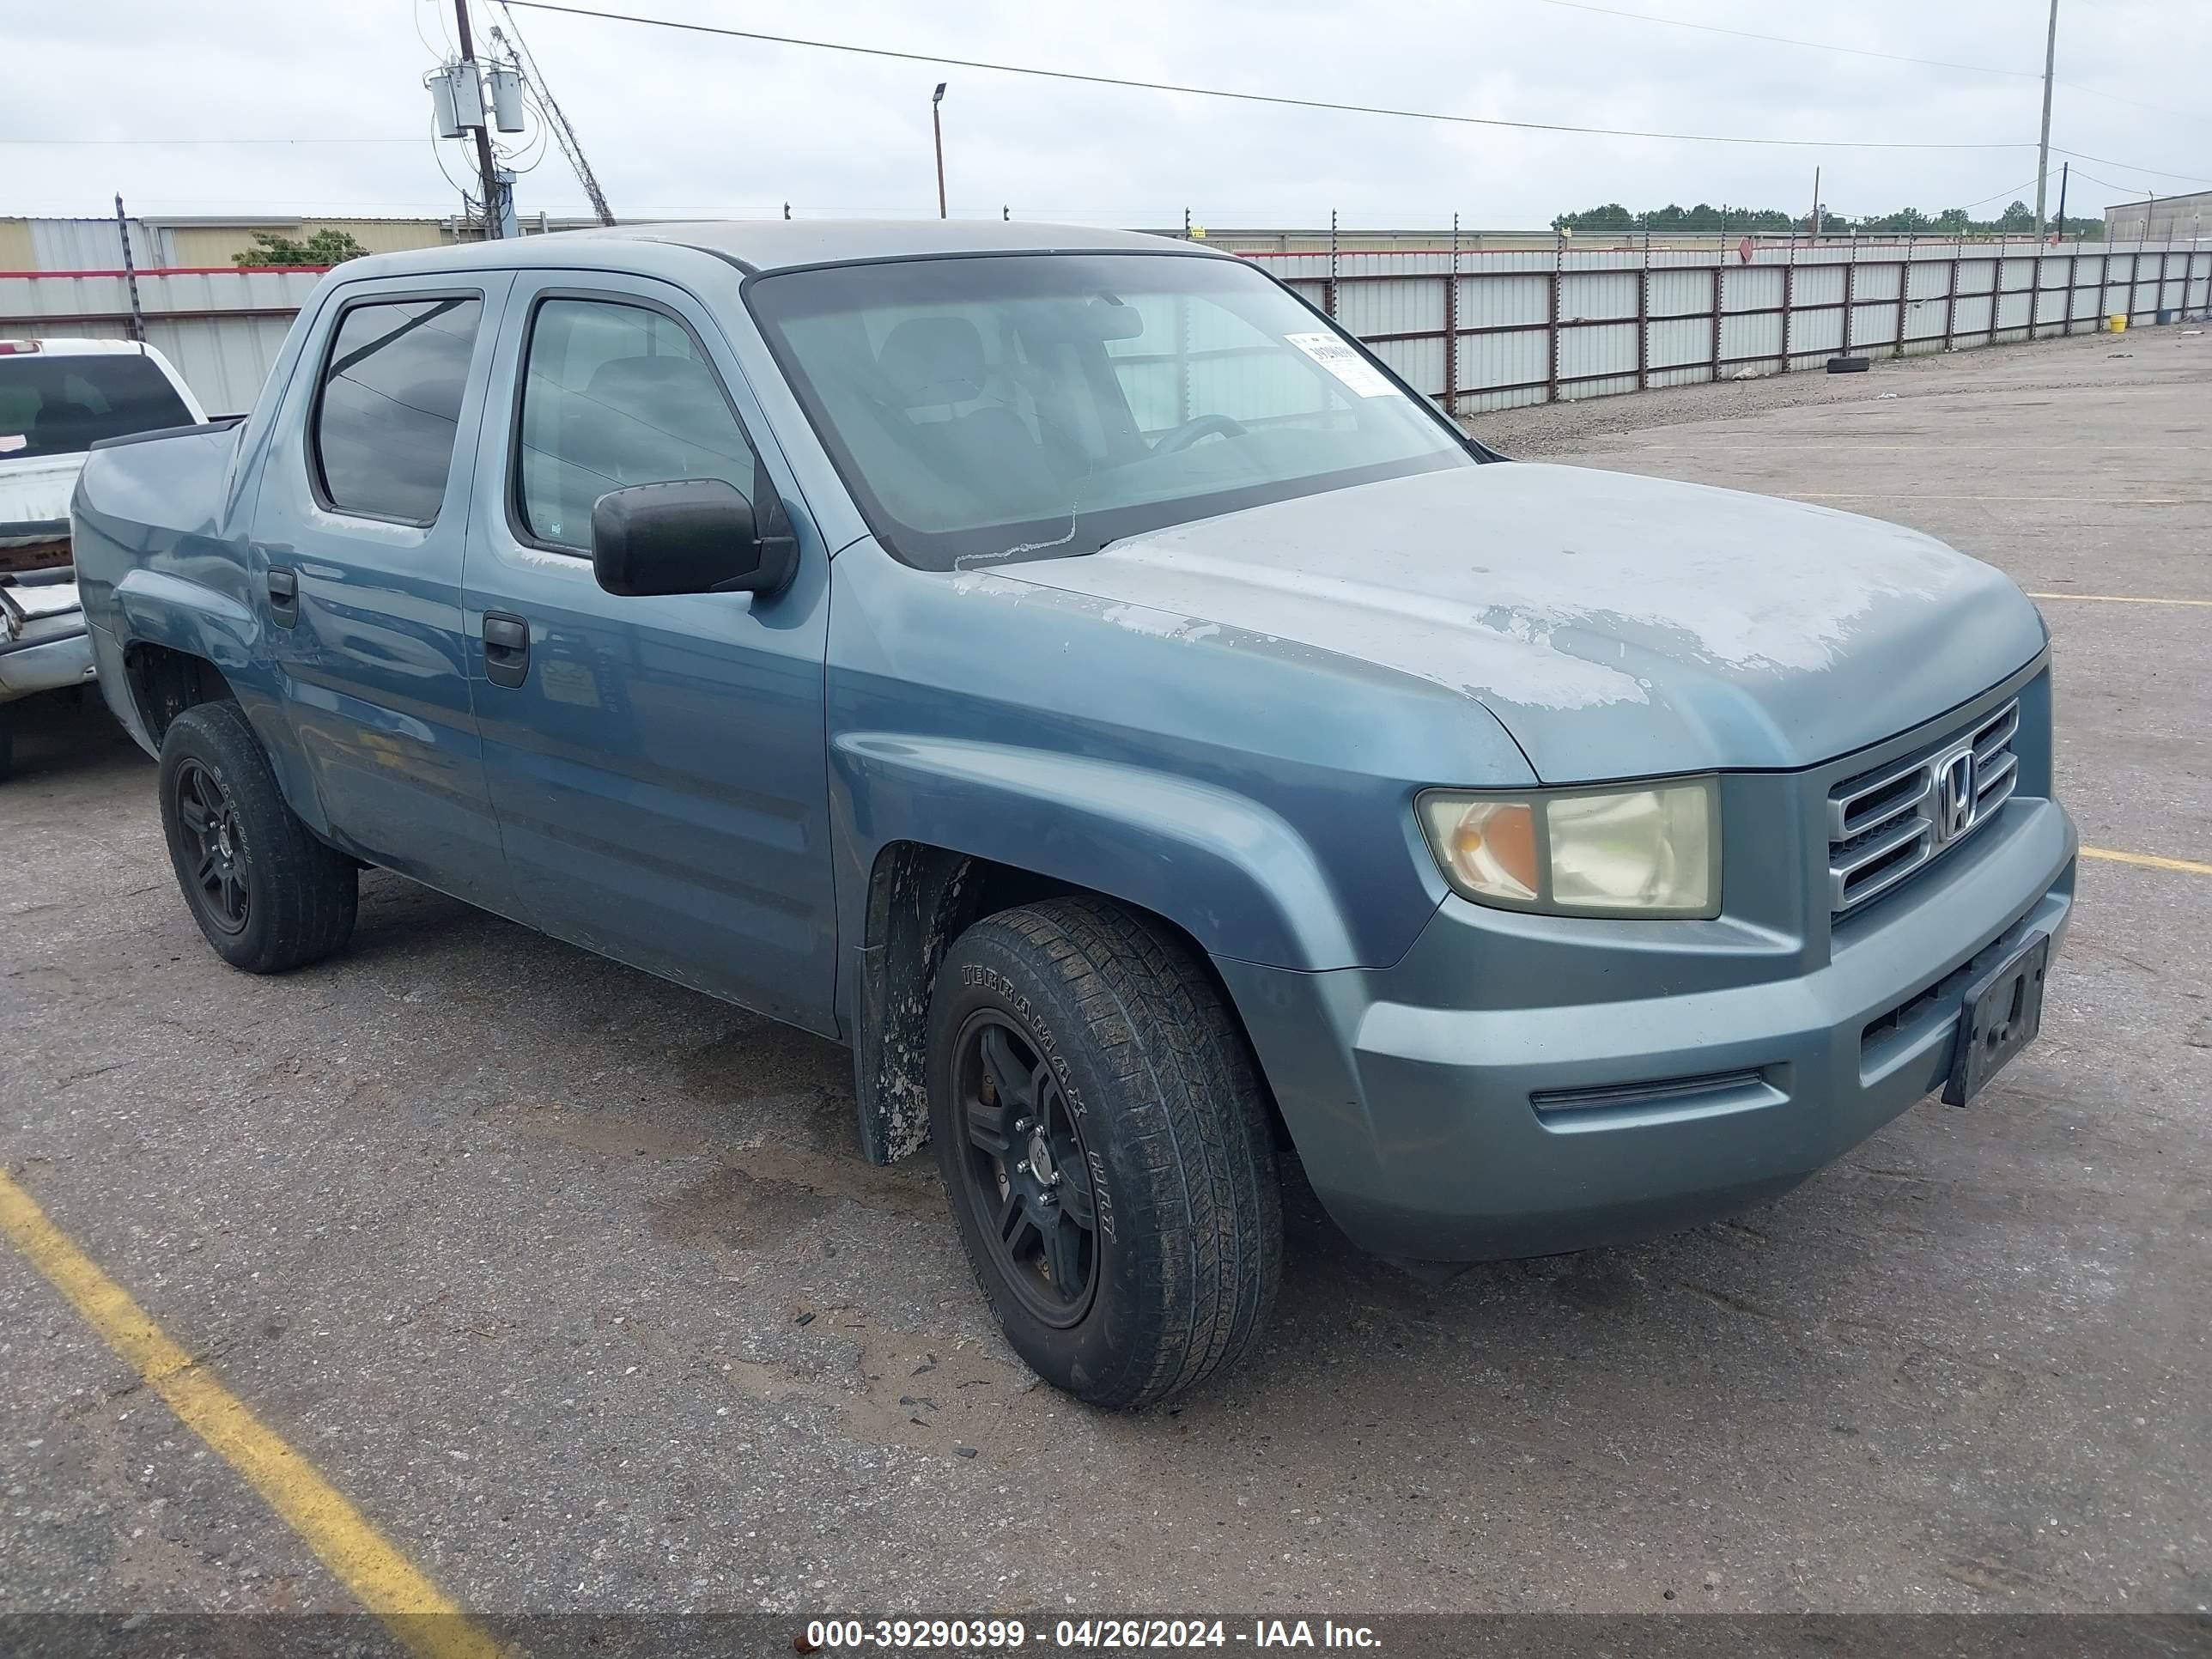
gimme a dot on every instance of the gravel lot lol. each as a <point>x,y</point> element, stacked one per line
<point>575,1283</point>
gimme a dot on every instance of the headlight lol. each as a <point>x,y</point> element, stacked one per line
<point>1645,849</point>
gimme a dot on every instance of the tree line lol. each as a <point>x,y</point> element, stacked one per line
<point>2017,219</point>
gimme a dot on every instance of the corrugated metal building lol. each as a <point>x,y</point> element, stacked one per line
<point>173,242</point>
<point>2161,219</point>
<point>192,242</point>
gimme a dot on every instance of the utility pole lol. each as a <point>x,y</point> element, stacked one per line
<point>2042,147</point>
<point>485,170</point>
<point>2065,171</point>
<point>130,275</point>
<point>937,132</point>
<point>1813,217</point>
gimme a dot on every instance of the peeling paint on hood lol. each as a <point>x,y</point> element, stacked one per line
<point>1618,626</point>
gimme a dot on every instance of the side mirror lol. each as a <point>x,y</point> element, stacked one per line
<point>696,536</point>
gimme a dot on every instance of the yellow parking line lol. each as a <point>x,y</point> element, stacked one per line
<point>2187,866</point>
<point>2118,598</point>
<point>414,1610</point>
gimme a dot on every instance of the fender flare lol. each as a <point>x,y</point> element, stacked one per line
<point>1232,874</point>
<point>929,822</point>
<point>158,608</point>
<point>155,608</point>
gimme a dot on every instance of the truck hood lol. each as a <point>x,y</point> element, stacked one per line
<point>34,497</point>
<point>1617,626</point>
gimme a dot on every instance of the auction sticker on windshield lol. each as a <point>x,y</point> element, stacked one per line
<point>1347,365</point>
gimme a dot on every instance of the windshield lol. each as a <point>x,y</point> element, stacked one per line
<point>61,404</point>
<point>1040,405</point>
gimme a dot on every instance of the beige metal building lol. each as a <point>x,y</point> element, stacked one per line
<point>185,243</point>
<point>2161,219</point>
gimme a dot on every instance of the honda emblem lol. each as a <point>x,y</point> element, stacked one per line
<point>1953,810</point>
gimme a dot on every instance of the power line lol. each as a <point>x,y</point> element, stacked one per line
<point>2013,191</point>
<point>438,155</point>
<point>2125,189</point>
<point>415,14</point>
<point>2130,167</point>
<point>445,30</point>
<point>1246,97</point>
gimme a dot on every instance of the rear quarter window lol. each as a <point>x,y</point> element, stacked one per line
<point>388,405</point>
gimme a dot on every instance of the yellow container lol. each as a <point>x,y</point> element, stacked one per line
<point>2118,322</point>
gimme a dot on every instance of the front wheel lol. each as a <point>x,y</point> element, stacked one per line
<point>1098,1123</point>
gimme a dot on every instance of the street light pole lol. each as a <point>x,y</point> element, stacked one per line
<point>937,132</point>
<point>2043,147</point>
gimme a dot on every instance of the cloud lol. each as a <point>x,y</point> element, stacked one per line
<point>685,125</point>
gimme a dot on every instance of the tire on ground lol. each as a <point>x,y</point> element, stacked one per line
<point>1189,1209</point>
<point>300,894</point>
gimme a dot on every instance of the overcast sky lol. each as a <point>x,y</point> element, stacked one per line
<point>685,125</point>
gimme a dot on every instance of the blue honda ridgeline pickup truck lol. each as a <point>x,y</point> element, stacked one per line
<point>1067,669</point>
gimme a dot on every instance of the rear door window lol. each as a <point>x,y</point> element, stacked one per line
<point>53,404</point>
<point>389,404</point>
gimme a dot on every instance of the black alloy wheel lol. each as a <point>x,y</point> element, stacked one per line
<point>1098,1117</point>
<point>214,845</point>
<point>1027,1177</point>
<point>267,894</point>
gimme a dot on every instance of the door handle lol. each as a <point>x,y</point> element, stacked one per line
<point>507,648</point>
<point>283,595</point>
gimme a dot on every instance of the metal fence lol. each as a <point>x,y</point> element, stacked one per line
<point>1477,330</point>
<point>1495,330</point>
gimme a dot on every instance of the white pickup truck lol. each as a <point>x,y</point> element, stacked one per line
<point>57,398</point>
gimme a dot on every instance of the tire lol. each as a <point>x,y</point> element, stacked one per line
<point>267,894</point>
<point>7,742</point>
<point>1128,1071</point>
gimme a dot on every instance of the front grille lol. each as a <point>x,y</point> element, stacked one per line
<point>1885,824</point>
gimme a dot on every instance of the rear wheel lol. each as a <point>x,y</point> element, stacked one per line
<point>1098,1123</point>
<point>268,895</point>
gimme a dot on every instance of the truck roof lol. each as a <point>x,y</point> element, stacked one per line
<point>778,243</point>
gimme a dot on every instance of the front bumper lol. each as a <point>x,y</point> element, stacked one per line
<point>1667,1092</point>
